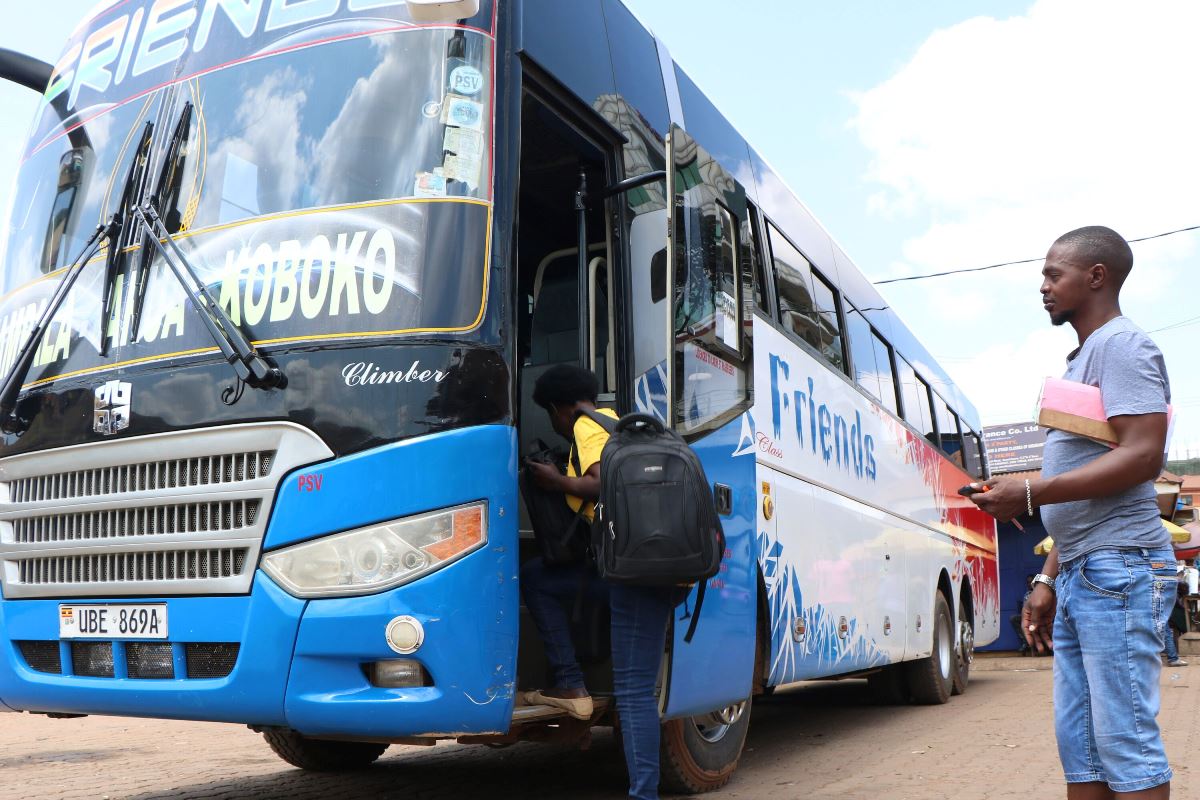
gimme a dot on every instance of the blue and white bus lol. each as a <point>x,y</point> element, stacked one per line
<point>278,277</point>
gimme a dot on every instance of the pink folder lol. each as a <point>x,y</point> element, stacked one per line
<point>1078,408</point>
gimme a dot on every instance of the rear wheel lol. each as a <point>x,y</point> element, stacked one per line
<point>699,754</point>
<point>322,755</point>
<point>964,649</point>
<point>931,680</point>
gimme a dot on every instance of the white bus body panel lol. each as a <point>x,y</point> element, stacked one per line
<point>865,521</point>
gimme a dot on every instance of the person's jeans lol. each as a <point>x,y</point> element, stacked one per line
<point>1113,606</point>
<point>551,593</point>
<point>639,627</point>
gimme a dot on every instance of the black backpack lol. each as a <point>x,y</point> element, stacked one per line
<point>656,522</point>
<point>561,534</point>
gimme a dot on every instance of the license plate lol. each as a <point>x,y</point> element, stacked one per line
<point>95,621</point>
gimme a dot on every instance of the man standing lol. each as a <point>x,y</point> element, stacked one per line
<point>1112,566</point>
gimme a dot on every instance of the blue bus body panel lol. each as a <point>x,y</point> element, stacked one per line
<point>301,663</point>
<point>264,624</point>
<point>717,668</point>
<point>469,609</point>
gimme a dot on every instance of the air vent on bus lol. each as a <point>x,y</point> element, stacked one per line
<point>147,477</point>
<point>115,519</point>
<point>145,521</point>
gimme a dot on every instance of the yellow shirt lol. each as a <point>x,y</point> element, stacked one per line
<point>590,439</point>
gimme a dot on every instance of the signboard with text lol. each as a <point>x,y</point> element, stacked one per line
<point>1014,448</point>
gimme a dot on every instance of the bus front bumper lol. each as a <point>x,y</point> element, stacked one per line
<point>306,664</point>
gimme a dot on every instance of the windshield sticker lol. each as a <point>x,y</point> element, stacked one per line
<point>463,168</point>
<point>464,142</point>
<point>466,80</point>
<point>462,112</point>
<point>430,184</point>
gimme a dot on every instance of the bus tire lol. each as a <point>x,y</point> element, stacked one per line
<point>931,680</point>
<point>964,650</point>
<point>699,754</point>
<point>321,755</point>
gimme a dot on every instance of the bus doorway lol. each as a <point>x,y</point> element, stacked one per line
<point>555,157</point>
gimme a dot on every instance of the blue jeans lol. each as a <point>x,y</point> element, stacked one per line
<point>639,628</point>
<point>1113,606</point>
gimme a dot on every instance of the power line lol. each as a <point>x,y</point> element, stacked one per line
<point>1022,261</point>
<point>1181,324</point>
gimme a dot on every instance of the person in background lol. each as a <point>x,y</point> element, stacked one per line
<point>1015,619</point>
<point>1099,599</point>
<point>1176,624</point>
<point>639,614</point>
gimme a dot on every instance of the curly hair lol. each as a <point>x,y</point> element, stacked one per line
<point>565,384</point>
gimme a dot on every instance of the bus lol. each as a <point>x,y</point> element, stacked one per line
<point>278,278</point>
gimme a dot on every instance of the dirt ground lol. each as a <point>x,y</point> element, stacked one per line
<point>821,740</point>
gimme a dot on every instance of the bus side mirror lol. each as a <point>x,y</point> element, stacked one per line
<point>442,10</point>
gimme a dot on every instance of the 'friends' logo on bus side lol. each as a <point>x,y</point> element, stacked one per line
<point>835,438</point>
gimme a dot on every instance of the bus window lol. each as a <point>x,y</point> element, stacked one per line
<point>866,370</point>
<point>887,378</point>
<point>829,324</point>
<point>755,269</point>
<point>916,398</point>
<point>949,436</point>
<point>973,461</point>
<point>793,285</point>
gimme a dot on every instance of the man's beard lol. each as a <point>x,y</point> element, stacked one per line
<point>1061,318</point>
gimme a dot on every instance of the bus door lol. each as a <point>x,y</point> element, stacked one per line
<point>708,394</point>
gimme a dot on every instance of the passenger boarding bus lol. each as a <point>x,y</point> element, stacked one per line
<point>278,278</point>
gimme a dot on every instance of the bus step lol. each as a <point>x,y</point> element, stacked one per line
<point>525,714</point>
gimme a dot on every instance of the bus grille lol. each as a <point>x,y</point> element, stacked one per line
<point>114,519</point>
<point>171,565</point>
<point>143,660</point>
<point>146,521</point>
<point>207,471</point>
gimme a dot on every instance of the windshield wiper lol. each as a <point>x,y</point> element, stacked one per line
<point>251,367</point>
<point>9,421</point>
<point>172,168</point>
<point>135,182</point>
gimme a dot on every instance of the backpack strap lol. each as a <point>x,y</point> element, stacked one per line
<point>603,420</point>
<point>607,423</point>
<point>691,631</point>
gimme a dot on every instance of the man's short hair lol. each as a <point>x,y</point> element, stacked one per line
<point>565,384</point>
<point>1097,244</point>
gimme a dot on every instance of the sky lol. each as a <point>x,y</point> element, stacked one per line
<point>938,135</point>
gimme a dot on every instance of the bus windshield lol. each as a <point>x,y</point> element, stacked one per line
<point>317,202</point>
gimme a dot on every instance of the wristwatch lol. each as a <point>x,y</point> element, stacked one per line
<point>1046,579</point>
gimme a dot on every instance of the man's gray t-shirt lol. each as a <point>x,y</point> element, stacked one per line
<point>1129,369</point>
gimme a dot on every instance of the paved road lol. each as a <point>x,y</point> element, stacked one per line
<point>817,741</point>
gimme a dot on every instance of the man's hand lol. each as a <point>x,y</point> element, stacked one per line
<point>1037,618</point>
<point>545,476</point>
<point>1005,498</point>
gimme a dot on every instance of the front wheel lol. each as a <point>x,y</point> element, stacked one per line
<point>699,754</point>
<point>931,680</point>
<point>321,755</point>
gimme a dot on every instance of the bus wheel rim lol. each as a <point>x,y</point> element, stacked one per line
<point>713,726</point>
<point>945,646</point>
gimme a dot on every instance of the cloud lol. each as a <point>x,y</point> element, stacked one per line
<point>999,135</point>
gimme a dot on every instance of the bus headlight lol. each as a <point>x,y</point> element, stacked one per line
<point>381,556</point>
